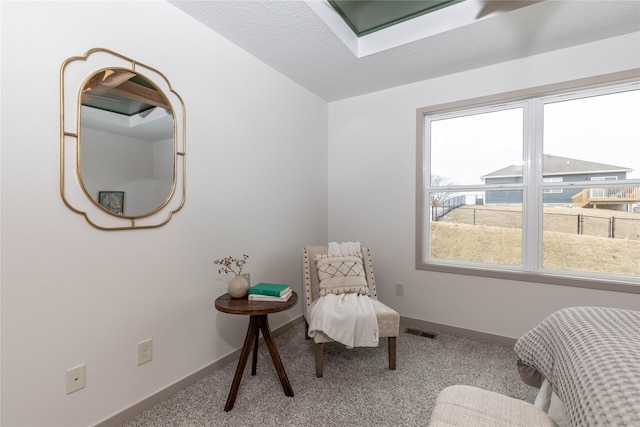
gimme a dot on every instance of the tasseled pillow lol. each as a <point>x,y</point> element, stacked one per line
<point>341,274</point>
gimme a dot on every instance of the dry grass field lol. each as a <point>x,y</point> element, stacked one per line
<point>496,238</point>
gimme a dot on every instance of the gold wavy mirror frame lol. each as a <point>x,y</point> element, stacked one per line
<point>122,142</point>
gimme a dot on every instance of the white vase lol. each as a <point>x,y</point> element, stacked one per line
<point>238,287</point>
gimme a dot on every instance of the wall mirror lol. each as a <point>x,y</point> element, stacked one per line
<point>122,142</point>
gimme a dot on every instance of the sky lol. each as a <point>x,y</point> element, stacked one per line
<point>603,129</point>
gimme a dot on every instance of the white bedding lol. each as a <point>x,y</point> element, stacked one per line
<point>591,357</point>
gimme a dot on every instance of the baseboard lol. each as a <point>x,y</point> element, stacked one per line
<point>453,330</point>
<point>148,402</point>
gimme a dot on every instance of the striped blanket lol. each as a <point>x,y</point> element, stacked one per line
<point>591,357</point>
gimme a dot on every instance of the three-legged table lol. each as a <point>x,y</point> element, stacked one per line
<point>258,311</point>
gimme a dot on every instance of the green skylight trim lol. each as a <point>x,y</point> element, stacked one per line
<point>366,17</point>
<point>118,104</point>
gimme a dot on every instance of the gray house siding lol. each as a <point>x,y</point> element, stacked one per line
<point>506,196</point>
<point>563,197</point>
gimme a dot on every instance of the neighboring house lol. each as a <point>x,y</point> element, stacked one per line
<point>556,169</point>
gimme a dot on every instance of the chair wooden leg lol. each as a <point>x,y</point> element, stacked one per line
<point>319,349</point>
<point>306,330</point>
<point>392,353</point>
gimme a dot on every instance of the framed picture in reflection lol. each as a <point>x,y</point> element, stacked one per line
<point>112,201</point>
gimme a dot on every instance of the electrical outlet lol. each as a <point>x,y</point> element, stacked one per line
<point>248,276</point>
<point>145,351</point>
<point>399,290</point>
<point>76,378</point>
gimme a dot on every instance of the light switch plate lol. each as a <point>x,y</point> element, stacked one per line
<point>399,289</point>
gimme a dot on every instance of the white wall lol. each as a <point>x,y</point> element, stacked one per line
<point>372,174</point>
<point>72,294</point>
<point>142,169</point>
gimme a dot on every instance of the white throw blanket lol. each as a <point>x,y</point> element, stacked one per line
<point>343,249</point>
<point>347,318</point>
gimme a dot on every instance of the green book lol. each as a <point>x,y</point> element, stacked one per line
<point>273,289</point>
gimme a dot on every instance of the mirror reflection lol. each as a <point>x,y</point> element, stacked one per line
<point>126,143</point>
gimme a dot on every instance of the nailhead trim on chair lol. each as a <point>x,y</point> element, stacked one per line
<point>307,278</point>
<point>374,292</point>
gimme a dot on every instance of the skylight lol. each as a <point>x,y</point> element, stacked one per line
<point>366,17</point>
<point>368,27</point>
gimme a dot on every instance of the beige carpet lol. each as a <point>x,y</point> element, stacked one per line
<point>357,389</point>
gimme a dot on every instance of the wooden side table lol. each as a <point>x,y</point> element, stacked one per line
<point>258,310</point>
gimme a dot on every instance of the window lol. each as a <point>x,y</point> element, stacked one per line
<point>538,188</point>
<point>552,179</point>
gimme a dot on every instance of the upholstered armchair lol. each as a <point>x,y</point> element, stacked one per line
<point>388,320</point>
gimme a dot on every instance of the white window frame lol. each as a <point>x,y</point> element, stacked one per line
<point>552,179</point>
<point>533,186</point>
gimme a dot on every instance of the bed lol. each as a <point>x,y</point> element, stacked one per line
<point>589,357</point>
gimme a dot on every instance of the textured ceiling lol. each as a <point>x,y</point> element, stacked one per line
<point>291,38</point>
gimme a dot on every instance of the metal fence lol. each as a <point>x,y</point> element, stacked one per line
<point>613,227</point>
<point>446,206</point>
<point>579,223</point>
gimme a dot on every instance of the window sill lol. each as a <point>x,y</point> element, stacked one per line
<point>604,284</point>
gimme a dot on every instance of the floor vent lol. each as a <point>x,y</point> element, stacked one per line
<point>420,333</point>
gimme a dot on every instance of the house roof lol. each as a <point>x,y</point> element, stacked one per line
<point>556,165</point>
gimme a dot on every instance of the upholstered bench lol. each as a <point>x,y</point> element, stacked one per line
<point>465,406</point>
